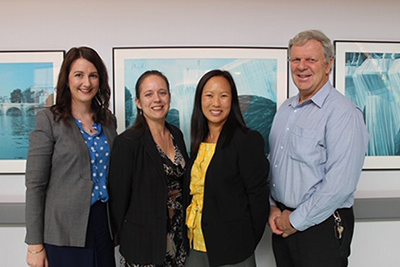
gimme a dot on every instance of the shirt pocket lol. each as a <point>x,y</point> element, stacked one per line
<point>307,146</point>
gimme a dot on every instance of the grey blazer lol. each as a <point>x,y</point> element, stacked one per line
<point>58,182</point>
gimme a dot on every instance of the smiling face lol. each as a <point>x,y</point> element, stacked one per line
<point>154,98</point>
<point>83,81</point>
<point>310,70</point>
<point>216,101</point>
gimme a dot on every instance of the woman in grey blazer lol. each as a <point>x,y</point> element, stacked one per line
<point>67,166</point>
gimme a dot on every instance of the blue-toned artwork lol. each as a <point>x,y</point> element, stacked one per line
<point>256,80</point>
<point>25,88</point>
<point>373,82</point>
<point>368,73</point>
<point>27,81</point>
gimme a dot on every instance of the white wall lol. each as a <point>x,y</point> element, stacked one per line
<point>61,24</point>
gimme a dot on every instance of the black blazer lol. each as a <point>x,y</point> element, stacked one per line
<point>236,198</point>
<point>138,195</point>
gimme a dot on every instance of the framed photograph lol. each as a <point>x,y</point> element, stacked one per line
<point>260,75</point>
<point>27,81</point>
<point>368,73</point>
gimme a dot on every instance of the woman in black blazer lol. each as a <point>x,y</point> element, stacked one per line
<point>226,194</point>
<point>145,180</point>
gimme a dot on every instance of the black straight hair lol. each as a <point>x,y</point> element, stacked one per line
<point>199,124</point>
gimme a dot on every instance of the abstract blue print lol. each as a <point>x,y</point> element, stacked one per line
<point>372,82</point>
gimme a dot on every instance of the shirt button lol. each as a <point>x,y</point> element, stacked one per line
<point>287,128</point>
<point>276,166</point>
<point>295,111</point>
<point>273,185</point>
<point>281,147</point>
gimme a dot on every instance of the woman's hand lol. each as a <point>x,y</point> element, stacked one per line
<point>283,223</point>
<point>36,256</point>
<point>274,213</point>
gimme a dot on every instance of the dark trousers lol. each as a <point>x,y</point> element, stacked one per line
<point>200,259</point>
<point>316,246</point>
<point>99,248</point>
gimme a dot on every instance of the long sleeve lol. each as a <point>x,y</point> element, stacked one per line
<point>41,146</point>
<point>254,168</point>
<point>317,153</point>
<point>346,142</point>
<point>120,180</point>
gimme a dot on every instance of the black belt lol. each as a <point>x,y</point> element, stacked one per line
<point>282,206</point>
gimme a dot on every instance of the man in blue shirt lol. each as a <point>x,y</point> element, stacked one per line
<point>318,143</point>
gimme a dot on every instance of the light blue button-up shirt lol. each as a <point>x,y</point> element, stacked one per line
<point>317,153</point>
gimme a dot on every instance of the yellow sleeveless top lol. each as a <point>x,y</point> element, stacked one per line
<point>195,209</point>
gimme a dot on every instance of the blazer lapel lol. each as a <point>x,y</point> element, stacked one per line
<point>110,134</point>
<point>151,148</point>
<point>81,145</point>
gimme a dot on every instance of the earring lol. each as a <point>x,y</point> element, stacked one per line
<point>140,112</point>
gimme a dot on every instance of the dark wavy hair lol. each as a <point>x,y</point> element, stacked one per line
<point>199,125</point>
<point>100,103</point>
<point>140,121</point>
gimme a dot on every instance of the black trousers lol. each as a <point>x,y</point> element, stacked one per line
<point>99,248</point>
<point>317,246</point>
<point>200,259</point>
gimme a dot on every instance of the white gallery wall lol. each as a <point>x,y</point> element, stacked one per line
<point>61,24</point>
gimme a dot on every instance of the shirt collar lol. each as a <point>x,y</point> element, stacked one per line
<point>95,124</point>
<point>318,99</point>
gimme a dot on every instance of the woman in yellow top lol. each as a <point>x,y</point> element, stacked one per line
<point>226,194</point>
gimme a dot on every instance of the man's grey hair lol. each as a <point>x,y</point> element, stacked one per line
<point>303,37</point>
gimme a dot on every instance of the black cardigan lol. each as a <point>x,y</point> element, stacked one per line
<point>236,198</point>
<point>138,195</point>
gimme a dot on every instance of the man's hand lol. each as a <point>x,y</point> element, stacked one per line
<point>282,222</point>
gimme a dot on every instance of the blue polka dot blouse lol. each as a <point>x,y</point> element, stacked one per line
<point>99,152</point>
